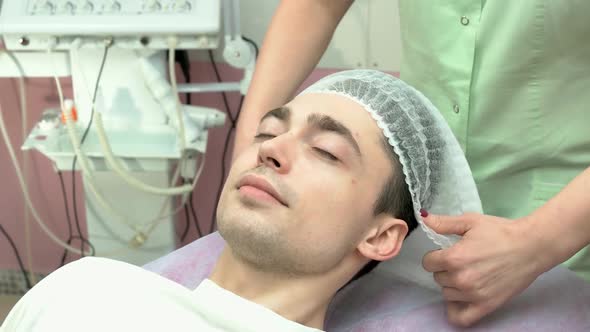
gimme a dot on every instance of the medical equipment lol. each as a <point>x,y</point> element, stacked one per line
<point>18,258</point>
<point>137,127</point>
<point>434,166</point>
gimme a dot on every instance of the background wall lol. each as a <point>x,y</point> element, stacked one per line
<point>367,38</point>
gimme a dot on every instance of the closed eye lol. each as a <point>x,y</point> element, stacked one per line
<point>325,154</point>
<point>264,136</point>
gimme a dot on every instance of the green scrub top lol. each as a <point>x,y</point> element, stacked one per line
<point>512,79</point>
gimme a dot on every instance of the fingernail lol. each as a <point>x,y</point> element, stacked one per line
<point>423,213</point>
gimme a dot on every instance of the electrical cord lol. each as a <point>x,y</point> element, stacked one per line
<point>189,206</point>
<point>25,190</point>
<point>157,221</point>
<point>195,218</point>
<point>223,94</point>
<point>223,171</point>
<point>22,94</point>
<point>185,66</point>
<point>140,235</point>
<point>118,167</point>
<point>172,43</point>
<point>187,225</point>
<point>65,197</point>
<point>183,60</point>
<point>94,94</point>
<point>71,237</point>
<point>18,258</point>
<point>23,107</point>
<point>253,43</point>
<point>225,146</point>
<point>68,115</point>
<point>233,121</point>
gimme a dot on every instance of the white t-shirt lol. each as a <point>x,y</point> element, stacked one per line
<point>99,294</point>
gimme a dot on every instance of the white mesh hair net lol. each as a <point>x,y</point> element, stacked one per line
<point>436,171</point>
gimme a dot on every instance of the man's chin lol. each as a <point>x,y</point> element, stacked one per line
<point>246,217</point>
<point>249,221</point>
<point>237,212</point>
<point>250,237</point>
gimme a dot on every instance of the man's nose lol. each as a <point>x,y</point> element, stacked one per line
<point>276,153</point>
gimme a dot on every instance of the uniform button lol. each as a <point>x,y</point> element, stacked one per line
<point>456,108</point>
<point>464,20</point>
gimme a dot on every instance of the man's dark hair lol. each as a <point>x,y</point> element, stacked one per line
<point>395,199</point>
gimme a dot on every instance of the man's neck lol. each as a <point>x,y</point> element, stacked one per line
<point>302,299</point>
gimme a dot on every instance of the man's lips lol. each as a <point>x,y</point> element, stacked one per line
<point>258,187</point>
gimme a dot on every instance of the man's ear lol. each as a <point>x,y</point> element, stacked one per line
<point>384,240</point>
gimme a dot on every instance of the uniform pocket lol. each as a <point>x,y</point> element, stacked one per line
<point>544,191</point>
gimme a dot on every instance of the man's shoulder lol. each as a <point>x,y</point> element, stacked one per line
<point>84,271</point>
<point>100,272</point>
<point>90,265</point>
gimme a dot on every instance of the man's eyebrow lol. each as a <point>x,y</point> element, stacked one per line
<point>327,123</point>
<point>282,113</point>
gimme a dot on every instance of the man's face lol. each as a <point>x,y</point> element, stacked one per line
<point>300,197</point>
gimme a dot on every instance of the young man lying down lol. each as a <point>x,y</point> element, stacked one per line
<point>331,185</point>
